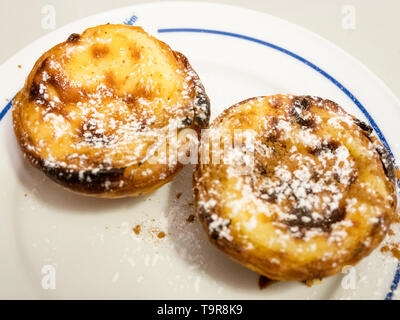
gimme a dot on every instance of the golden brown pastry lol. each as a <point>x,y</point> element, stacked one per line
<point>319,195</point>
<point>95,110</point>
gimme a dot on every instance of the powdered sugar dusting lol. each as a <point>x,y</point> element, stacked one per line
<point>108,102</point>
<point>305,182</point>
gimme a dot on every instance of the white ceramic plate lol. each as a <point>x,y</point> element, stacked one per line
<point>89,243</point>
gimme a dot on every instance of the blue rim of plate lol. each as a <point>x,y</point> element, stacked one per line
<point>133,19</point>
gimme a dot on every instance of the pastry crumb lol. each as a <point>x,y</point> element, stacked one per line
<point>161,235</point>
<point>137,229</point>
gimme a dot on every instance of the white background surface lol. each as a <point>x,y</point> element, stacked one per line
<point>373,41</point>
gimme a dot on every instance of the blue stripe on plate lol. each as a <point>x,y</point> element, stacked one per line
<point>294,55</point>
<point>373,124</point>
<point>5,109</point>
